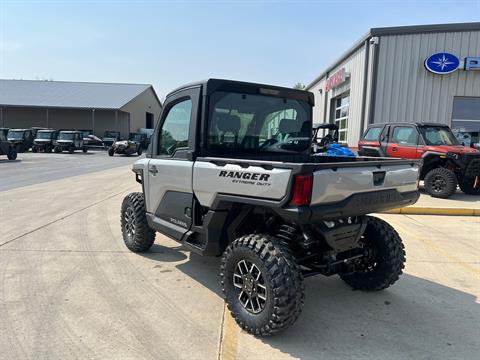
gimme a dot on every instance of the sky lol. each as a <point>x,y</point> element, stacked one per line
<point>170,43</point>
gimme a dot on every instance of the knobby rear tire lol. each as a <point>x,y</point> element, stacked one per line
<point>283,282</point>
<point>389,258</point>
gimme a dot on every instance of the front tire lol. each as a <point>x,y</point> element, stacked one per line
<point>58,149</point>
<point>137,235</point>
<point>84,149</point>
<point>440,183</point>
<point>139,151</point>
<point>262,284</point>
<point>48,148</point>
<point>111,151</point>
<point>467,185</point>
<point>71,149</point>
<point>384,259</point>
<point>34,149</point>
<point>12,153</point>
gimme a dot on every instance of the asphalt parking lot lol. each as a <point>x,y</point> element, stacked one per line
<point>69,288</point>
<point>41,167</point>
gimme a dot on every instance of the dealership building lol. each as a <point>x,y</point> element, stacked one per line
<point>78,106</point>
<point>427,73</point>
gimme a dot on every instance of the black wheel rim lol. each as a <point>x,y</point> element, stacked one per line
<point>369,260</point>
<point>129,218</point>
<point>250,285</point>
<point>439,183</point>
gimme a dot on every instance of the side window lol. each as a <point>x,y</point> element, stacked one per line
<point>404,135</point>
<point>373,134</point>
<point>174,132</point>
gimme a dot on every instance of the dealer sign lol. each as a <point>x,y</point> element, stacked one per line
<point>336,79</point>
<point>446,63</point>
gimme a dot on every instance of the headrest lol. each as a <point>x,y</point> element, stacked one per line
<point>228,123</point>
<point>288,126</point>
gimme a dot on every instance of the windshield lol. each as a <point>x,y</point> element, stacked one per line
<point>111,134</point>
<point>245,123</point>
<point>44,135</point>
<point>136,137</point>
<point>66,136</point>
<point>16,135</point>
<point>438,135</point>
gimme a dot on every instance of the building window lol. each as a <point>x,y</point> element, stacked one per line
<point>341,116</point>
<point>466,120</point>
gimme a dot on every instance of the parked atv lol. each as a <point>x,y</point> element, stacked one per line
<point>6,147</point>
<point>446,162</point>
<point>273,210</point>
<point>44,141</point>
<point>22,139</point>
<point>125,147</point>
<point>69,141</point>
<point>110,137</point>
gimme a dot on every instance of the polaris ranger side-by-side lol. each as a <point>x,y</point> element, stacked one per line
<point>69,141</point>
<point>230,171</point>
<point>6,147</point>
<point>44,140</point>
<point>21,139</point>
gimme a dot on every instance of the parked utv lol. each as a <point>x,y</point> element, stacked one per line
<point>22,139</point>
<point>110,137</point>
<point>125,147</point>
<point>320,140</point>
<point>44,141</point>
<point>6,147</point>
<point>220,180</point>
<point>141,138</point>
<point>69,141</point>
<point>446,162</point>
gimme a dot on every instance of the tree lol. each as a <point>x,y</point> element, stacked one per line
<point>299,86</point>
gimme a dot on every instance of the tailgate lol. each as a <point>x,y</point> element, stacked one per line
<point>337,184</point>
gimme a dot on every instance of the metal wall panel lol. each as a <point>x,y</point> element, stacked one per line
<point>355,66</point>
<point>406,91</point>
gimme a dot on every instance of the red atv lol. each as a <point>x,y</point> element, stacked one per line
<point>446,162</point>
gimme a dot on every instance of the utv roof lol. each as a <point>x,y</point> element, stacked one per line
<point>20,129</point>
<point>212,85</point>
<point>69,131</point>
<point>409,123</point>
<point>47,130</point>
<point>325,126</point>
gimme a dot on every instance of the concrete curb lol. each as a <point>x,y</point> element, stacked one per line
<point>426,210</point>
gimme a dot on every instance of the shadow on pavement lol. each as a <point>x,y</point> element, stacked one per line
<point>6,161</point>
<point>458,195</point>
<point>164,254</point>
<point>415,318</point>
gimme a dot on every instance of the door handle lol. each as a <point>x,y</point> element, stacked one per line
<point>153,170</point>
<point>394,148</point>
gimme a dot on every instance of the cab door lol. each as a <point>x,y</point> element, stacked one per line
<point>403,142</point>
<point>170,168</point>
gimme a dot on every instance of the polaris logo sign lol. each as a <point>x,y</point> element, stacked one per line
<point>446,63</point>
<point>248,178</point>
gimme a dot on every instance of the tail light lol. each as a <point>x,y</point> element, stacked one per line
<point>302,190</point>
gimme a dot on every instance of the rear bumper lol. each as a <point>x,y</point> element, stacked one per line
<point>355,205</point>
